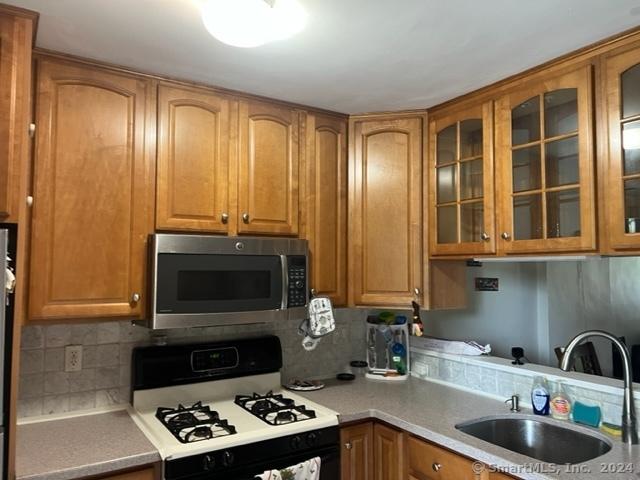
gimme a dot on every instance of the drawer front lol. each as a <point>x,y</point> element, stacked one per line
<point>428,462</point>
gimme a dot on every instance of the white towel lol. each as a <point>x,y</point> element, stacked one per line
<point>309,470</point>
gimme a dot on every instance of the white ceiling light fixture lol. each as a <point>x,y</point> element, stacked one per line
<point>251,23</point>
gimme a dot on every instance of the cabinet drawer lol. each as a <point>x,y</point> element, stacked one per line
<point>145,474</point>
<point>428,462</point>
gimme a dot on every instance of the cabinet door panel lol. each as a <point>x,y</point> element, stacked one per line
<point>388,453</point>
<point>461,179</point>
<point>544,166</point>
<point>93,184</point>
<point>15,80</point>
<point>622,88</point>
<point>145,474</point>
<point>193,157</point>
<point>386,217</point>
<point>356,456</point>
<point>268,169</point>
<point>326,212</point>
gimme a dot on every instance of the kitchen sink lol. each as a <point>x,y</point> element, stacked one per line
<point>542,440</point>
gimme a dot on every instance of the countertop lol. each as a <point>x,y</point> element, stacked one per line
<point>81,446</point>
<point>430,410</point>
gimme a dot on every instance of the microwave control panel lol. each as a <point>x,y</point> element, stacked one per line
<point>297,266</point>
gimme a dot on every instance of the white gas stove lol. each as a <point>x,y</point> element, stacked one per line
<point>218,411</point>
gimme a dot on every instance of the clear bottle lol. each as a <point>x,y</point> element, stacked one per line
<point>560,403</point>
<point>540,396</point>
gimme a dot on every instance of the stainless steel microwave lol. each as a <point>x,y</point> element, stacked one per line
<point>199,281</point>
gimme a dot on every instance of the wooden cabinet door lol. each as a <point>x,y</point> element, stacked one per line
<point>93,192</point>
<point>268,169</point>
<point>622,198</point>
<point>193,160</point>
<point>429,462</point>
<point>461,200</point>
<point>388,453</point>
<point>16,36</point>
<point>385,211</point>
<point>326,205</point>
<point>544,161</point>
<point>356,455</point>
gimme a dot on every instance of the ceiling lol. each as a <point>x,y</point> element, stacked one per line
<point>354,55</point>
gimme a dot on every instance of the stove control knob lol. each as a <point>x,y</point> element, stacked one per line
<point>299,284</point>
<point>227,458</point>
<point>312,439</point>
<point>208,462</point>
<point>296,442</point>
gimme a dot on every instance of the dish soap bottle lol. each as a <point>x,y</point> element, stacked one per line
<point>560,404</point>
<point>540,396</point>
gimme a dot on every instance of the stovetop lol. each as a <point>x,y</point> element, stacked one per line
<point>192,419</point>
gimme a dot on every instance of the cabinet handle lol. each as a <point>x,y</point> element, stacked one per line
<point>348,445</point>
<point>436,467</point>
<point>245,217</point>
<point>135,298</point>
<point>505,235</point>
<point>224,217</point>
<point>485,237</point>
<point>416,292</point>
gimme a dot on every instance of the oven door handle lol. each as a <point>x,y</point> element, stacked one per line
<point>285,281</point>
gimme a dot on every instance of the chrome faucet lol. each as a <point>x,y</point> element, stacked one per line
<point>629,431</point>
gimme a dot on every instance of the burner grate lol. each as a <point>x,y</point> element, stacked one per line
<point>195,423</point>
<point>274,409</point>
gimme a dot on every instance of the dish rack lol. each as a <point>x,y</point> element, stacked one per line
<point>380,341</point>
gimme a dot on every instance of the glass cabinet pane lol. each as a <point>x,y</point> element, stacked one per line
<point>447,224</point>
<point>526,169</point>
<point>525,122</point>
<point>471,179</point>
<point>631,147</point>
<point>446,145</point>
<point>632,205</point>
<point>563,213</point>
<point>561,162</point>
<point>631,92</point>
<point>527,217</point>
<point>470,138</point>
<point>446,184</point>
<point>560,112</point>
<point>471,222</point>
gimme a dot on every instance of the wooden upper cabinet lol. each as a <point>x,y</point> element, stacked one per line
<point>357,453</point>
<point>326,205</point>
<point>16,37</point>
<point>461,186</point>
<point>193,160</point>
<point>544,164</point>
<point>93,192</point>
<point>385,211</point>
<point>622,96</point>
<point>268,169</point>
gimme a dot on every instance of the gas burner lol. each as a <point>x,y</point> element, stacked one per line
<point>195,423</point>
<point>274,409</point>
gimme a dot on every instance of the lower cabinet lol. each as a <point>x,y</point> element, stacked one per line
<point>373,450</point>
<point>144,474</point>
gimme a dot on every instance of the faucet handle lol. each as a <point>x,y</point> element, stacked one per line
<point>515,403</point>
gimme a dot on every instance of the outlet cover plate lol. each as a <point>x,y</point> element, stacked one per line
<point>73,358</point>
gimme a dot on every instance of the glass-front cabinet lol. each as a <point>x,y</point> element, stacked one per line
<point>461,198</point>
<point>622,96</point>
<point>544,166</point>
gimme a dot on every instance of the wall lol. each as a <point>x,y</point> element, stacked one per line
<point>45,388</point>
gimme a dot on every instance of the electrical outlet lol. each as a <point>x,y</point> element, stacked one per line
<point>73,358</point>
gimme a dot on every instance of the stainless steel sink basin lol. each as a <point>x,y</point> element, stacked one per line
<point>536,438</point>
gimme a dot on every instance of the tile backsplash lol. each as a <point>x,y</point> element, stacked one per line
<point>105,377</point>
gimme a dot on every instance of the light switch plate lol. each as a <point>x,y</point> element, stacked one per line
<point>73,358</point>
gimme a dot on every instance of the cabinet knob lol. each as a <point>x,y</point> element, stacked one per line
<point>485,237</point>
<point>224,217</point>
<point>436,467</point>
<point>135,298</point>
<point>505,235</point>
<point>416,292</point>
<point>348,445</point>
<point>245,217</point>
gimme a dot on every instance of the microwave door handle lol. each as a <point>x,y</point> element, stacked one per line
<point>285,281</point>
